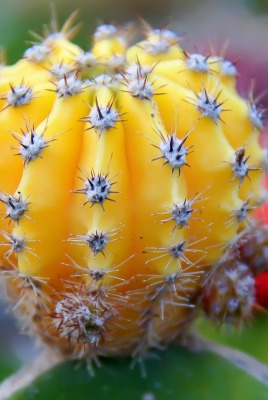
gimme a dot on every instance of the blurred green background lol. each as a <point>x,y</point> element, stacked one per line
<point>243,22</point>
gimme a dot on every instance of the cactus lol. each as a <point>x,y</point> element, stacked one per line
<point>137,171</point>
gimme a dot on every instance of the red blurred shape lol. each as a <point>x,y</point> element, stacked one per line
<point>261,287</point>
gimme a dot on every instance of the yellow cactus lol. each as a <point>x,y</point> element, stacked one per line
<point>137,169</point>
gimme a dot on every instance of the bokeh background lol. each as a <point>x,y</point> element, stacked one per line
<point>241,23</point>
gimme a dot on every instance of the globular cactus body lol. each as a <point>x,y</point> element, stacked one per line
<point>136,170</point>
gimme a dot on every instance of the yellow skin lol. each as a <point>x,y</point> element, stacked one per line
<point>140,285</point>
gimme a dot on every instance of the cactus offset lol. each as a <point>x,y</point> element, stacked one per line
<point>137,168</point>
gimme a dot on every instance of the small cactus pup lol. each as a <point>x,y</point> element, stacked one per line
<point>127,173</point>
